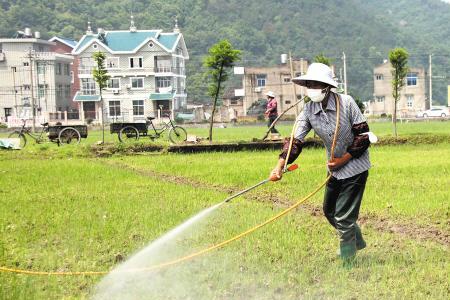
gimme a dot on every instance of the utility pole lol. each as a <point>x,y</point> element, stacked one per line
<point>431,83</point>
<point>300,105</point>
<point>33,112</point>
<point>13,70</point>
<point>293,84</point>
<point>345,72</point>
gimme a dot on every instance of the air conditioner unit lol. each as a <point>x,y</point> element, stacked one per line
<point>115,91</point>
<point>2,56</point>
<point>258,89</point>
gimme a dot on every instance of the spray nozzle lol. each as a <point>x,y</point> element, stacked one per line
<point>291,168</point>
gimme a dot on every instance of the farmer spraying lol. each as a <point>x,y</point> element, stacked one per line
<point>348,165</point>
<point>271,110</point>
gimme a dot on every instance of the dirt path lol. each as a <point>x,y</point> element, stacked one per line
<point>379,223</point>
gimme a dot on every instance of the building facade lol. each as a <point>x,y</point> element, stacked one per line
<point>147,70</point>
<point>412,96</point>
<point>257,81</point>
<point>32,75</point>
<point>66,46</point>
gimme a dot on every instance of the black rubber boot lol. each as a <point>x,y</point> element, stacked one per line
<point>348,253</point>
<point>360,243</point>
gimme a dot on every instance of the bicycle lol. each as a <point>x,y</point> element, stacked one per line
<point>60,134</point>
<point>128,132</point>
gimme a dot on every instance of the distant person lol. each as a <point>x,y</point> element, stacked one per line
<point>271,110</point>
<point>350,165</point>
<point>232,115</point>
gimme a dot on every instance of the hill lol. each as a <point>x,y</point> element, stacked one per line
<point>365,30</point>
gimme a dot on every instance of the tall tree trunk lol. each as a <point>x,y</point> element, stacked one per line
<point>103,118</point>
<point>214,104</point>
<point>395,118</point>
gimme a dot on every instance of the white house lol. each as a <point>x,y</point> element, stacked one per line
<point>147,69</point>
<point>32,75</point>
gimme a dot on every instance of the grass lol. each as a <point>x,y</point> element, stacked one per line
<point>396,186</point>
<point>62,210</point>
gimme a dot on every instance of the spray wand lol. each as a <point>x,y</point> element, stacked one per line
<point>289,169</point>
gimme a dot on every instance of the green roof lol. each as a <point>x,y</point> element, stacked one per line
<point>84,40</point>
<point>129,41</point>
<point>168,40</point>
<point>84,98</point>
<point>161,96</point>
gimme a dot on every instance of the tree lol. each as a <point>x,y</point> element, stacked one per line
<point>399,61</point>
<point>320,58</point>
<point>358,102</point>
<point>101,77</point>
<point>221,57</point>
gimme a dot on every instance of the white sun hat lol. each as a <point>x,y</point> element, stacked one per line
<point>317,72</point>
<point>270,94</point>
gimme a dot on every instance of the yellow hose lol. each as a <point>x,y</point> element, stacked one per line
<point>204,251</point>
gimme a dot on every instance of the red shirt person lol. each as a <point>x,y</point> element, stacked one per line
<point>271,110</point>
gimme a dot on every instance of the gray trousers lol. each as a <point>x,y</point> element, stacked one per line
<point>341,208</point>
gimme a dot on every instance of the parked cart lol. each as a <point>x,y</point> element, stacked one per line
<point>131,131</point>
<point>60,134</point>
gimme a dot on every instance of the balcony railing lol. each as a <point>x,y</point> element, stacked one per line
<point>82,70</point>
<point>159,69</point>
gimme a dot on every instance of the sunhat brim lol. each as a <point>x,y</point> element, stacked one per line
<point>301,80</point>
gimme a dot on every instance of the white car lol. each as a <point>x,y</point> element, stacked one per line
<point>434,112</point>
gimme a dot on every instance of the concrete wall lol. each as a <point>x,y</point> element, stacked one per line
<point>278,81</point>
<point>383,88</point>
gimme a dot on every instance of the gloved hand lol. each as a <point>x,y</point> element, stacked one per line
<point>338,162</point>
<point>277,172</point>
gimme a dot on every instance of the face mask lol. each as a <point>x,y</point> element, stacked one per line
<point>316,95</point>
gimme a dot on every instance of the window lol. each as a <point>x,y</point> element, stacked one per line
<point>14,69</point>
<point>409,100</point>
<point>135,62</point>
<point>66,69</point>
<point>162,82</point>
<point>26,87</point>
<point>287,102</point>
<point>411,79</point>
<point>72,77</point>
<point>41,91</point>
<point>380,98</point>
<point>112,62</point>
<point>59,90</point>
<point>95,46</point>
<point>261,80</point>
<point>113,83</point>
<point>287,79</point>
<point>379,77</point>
<point>137,83</point>
<point>114,108</point>
<point>67,90</point>
<point>40,68</point>
<point>26,64</point>
<point>163,64</point>
<point>8,113</point>
<point>88,86</point>
<point>138,107</point>
<point>58,70</point>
